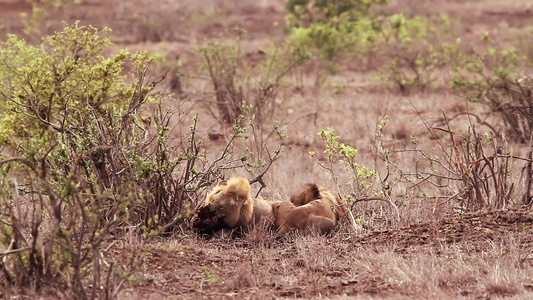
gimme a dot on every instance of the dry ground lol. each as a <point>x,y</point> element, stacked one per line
<point>431,253</point>
<point>478,256</point>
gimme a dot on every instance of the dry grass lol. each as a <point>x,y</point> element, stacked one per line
<point>315,266</point>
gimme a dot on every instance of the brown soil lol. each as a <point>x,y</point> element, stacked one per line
<point>469,230</point>
<point>344,264</point>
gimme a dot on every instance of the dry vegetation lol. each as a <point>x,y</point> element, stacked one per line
<point>464,199</point>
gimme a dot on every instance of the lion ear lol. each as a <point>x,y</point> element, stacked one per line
<point>315,190</point>
<point>223,183</point>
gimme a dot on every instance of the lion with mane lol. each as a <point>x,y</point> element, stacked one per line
<point>230,205</point>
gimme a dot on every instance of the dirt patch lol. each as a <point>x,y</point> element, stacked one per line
<point>458,257</point>
<point>473,228</point>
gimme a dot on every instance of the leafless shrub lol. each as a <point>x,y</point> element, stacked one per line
<point>235,83</point>
<point>476,170</point>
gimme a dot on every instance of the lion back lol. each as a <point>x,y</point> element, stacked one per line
<point>263,212</point>
<point>312,191</point>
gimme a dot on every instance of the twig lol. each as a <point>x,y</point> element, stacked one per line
<point>356,228</point>
<point>470,114</point>
<point>14,251</point>
<point>376,199</point>
<point>20,160</point>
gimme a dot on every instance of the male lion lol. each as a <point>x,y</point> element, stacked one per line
<point>334,207</point>
<point>313,216</point>
<point>230,205</point>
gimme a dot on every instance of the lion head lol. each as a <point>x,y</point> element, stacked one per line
<point>230,205</point>
<point>232,202</point>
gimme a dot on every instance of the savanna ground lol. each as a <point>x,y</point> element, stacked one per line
<point>434,249</point>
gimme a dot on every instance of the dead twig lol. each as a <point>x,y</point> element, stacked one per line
<point>366,199</point>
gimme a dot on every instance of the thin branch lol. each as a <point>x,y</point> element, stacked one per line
<point>14,251</point>
<point>366,199</point>
<point>20,160</point>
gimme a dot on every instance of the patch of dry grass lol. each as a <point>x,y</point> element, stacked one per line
<point>317,266</point>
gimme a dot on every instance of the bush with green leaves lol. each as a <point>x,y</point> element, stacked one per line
<point>523,44</point>
<point>65,103</point>
<point>71,127</point>
<point>355,183</point>
<point>41,10</point>
<point>333,30</point>
<point>415,49</point>
<point>304,12</point>
<point>501,79</point>
<point>408,51</point>
<point>340,158</point>
<point>330,43</point>
<point>87,152</point>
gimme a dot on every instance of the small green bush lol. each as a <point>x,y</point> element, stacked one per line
<point>332,30</point>
<point>304,12</point>
<point>41,11</point>
<point>340,158</point>
<point>500,78</point>
<point>414,50</point>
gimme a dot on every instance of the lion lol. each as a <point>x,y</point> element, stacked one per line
<point>310,217</point>
<point>230,205</point>
<point>335,207</point>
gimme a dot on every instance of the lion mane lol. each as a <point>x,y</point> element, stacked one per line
<point>230,205</point>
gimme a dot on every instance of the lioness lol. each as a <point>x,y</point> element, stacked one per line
<point>311,191</point>
<point>313,216</point>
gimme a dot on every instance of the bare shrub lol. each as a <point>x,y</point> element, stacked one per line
<point>235,84</point>
<point>476,171</point>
